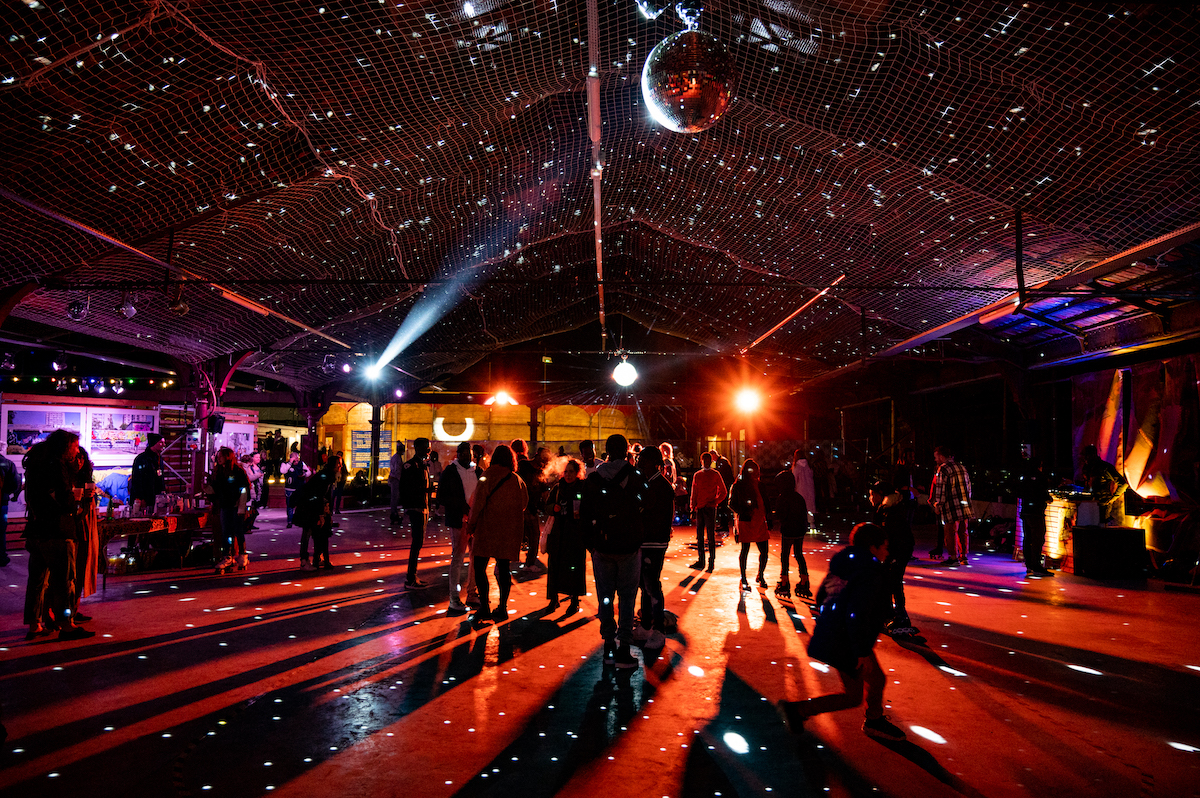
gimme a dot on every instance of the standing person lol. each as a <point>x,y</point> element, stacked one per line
<point>750,509</point>
<point>314,513</point>
<point>668,470</point>
<point>51,533</point>
<point>1033,489</point>
<point>891,512</point>
<point>940,549</point>
<point>497,524</point>
<point>904,478</point>
<point>678,482</point>
<point>854,607</point>
<point>11,485</point>
<point>414,496</point>
<point>951,500</point>
<point>1106,484</point>
<point>339,490</point>
<point>146,481</point>
<point>611,511</point>
<point>87,548</point>
<point>791,510</point>
<point>565,553</point>
<point>257,476</point>
<point>435,477</point>
<point>294,473</point>
<point>480,456</point>
<point>708,491</point>
<point>459,481</point>
<point>657,514</point>
<point>587,450</point>
<point>251,463</point>
<point>725,468</point>
<point>806,485</point>
<point>530,472</point>
<point>229,482</point>
<point>395,467</point>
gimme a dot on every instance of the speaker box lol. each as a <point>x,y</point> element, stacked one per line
<point>1109,552</point>
<point>216,423</point>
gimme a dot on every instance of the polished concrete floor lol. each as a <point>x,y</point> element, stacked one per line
<point>338,683</point>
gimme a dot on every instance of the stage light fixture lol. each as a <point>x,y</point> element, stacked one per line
<point>118,388</point>
<point>77,310</point>
<point>59,363</point>
<point>747,400</point>
<point>7,363</point>
<point>100,388</point>
<point>347,368</point>
<point>61,384</point>
<point>625,374</point>
<point>373,371</point>
<point>501,398</point>
<point>260,386</point>
<point>327,365</point>
<point>178,306</point>
<point>399,393</point>
<point>276,364</point>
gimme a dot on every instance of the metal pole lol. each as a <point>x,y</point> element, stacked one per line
<point>1019,257</point>
<point>376,425</point>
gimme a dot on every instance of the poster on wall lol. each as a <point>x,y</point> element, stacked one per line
<point>117,435</point>
<point>239,437</point>
<point>25,425</point>
<point>360,448</point>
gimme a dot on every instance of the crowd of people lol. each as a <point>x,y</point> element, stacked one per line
<point>619,509</point>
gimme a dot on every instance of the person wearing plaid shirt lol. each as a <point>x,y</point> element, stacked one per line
<point>952,501</point>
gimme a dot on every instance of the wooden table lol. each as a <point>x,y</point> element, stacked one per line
<point>132,528</point>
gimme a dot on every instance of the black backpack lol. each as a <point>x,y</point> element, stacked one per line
<point>613,511</point>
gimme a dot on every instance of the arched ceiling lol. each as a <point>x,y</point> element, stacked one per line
<point>340,164</point>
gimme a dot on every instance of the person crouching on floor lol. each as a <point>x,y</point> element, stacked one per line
<point>855,604</point>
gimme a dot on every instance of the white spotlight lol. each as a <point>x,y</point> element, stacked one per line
<point>373,371</point>
<point>625,374</point>
<point>747,400</point>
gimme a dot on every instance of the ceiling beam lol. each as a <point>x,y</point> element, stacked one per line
<point>1003,307</point>
<point>173,269</point>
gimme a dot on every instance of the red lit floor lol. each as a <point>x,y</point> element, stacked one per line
<point>338,683</point>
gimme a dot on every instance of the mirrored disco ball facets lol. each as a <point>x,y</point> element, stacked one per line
<point>688,81</point>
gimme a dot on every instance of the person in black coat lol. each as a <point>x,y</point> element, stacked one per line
<point>314,511</point>
<point>146,480</point>
<point>455,491</point>
<point>791,511</point>
<point>892,512</point>
<point>566,555</point>
<point>230,487</point>
<point>854,608</point>
<point>1033,489</point>
<point>52,532</point>
<point>658,511</point>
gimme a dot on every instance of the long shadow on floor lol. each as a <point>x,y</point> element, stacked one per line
<point>311,717</point>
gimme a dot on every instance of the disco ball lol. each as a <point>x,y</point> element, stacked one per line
<point>688,81</point>
<point>77,310</point>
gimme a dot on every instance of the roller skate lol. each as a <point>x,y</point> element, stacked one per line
<point>783,589</point>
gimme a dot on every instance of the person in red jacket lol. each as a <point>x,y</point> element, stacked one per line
<point>708,491</point>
